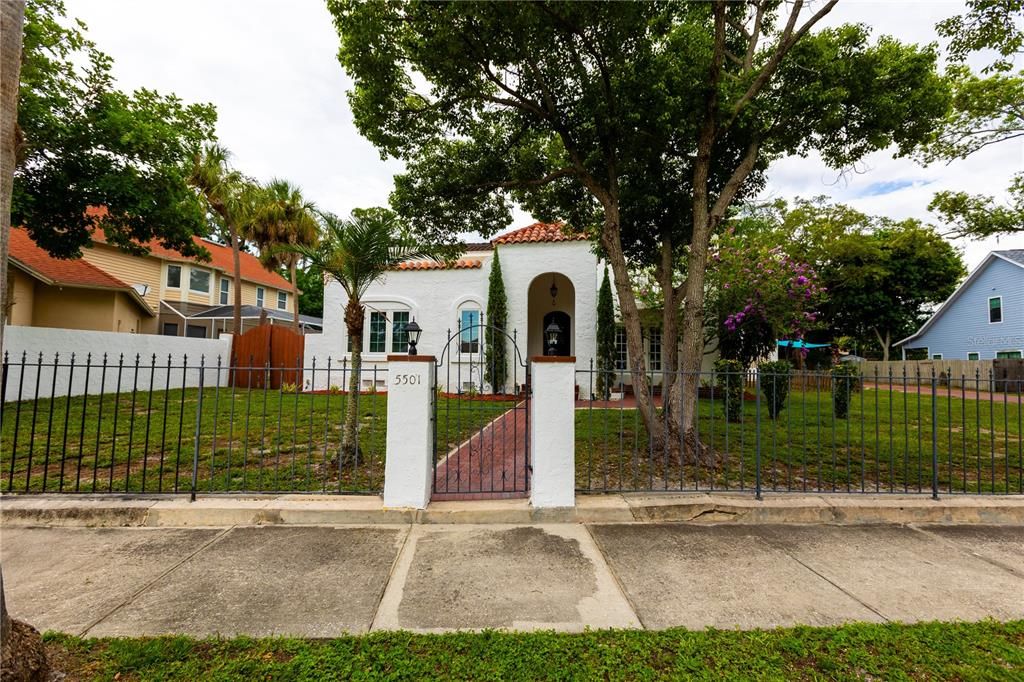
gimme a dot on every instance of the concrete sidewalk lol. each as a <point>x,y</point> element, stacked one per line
<point>322,581</point>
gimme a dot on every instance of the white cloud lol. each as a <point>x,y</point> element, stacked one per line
<point>271,69</point>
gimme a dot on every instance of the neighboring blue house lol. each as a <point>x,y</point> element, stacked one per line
<point>983,319</point>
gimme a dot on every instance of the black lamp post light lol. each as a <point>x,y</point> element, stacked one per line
<point>413,331</point>
<point>551,334</point>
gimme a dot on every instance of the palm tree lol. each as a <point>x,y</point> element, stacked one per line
<point>356,253</point>
<point>228,196</point>
<point>283,220</point>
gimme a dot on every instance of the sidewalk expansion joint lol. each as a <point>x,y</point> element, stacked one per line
<point>831,582</point>
<point>967,550</point>
<point>391,575</point>
<point>615,576</point>
<point>154,581</point>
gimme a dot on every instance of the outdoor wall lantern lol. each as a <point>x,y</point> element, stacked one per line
<point>553,290</point>
<point>413,331</point>
<point>551,334</point>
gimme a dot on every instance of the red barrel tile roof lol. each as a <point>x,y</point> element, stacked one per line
<point>461,264</point>
<point>540,232</point>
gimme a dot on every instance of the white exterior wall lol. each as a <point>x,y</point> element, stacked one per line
<point>35,340</point>
<point>435,298</point>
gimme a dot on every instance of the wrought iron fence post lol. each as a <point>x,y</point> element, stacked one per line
<point>757,434</point>
<point>199,415</point>
<point>935,439</point>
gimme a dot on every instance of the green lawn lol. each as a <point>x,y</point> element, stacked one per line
<point>249,440</point>
<point>884,445</point>
<point>265,441</point>
<point>935,651</point>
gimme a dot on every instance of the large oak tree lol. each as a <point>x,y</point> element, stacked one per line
<point>596,112</point>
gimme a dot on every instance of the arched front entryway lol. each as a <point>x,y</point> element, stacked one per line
<point>550,293</point>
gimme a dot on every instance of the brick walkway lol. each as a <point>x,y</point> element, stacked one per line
<point>490,465</point>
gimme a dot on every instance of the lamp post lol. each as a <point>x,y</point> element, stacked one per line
<point>551,334</point>
<point>413,331</point>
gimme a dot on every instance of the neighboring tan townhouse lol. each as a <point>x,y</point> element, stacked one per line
<point>74,294</point>
<point>161,293</point>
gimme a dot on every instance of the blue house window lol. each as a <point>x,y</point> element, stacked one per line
<point>995,309</point>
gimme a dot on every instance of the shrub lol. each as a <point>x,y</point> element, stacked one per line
<point>729,374</point>
<point>845,382</point>
<point>775,384</point>
<point>288,387</point>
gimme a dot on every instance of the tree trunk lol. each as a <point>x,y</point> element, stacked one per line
<point>293,268</point>
<point>350,431</point>
<point>236,248</point>
<point>612,242</point>
<point>11,20</point>
<point>22,656</point>
<point>883,341</point>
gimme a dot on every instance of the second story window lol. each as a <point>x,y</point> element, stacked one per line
<point>282,300</point>
<point>199,280</point>
<point>995,309</point>
<point>173,276</point>
<point>259,297</point>
<point>225,289</point>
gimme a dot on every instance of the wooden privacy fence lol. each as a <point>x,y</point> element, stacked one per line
<point>992,375</point>
<point>267,357</point>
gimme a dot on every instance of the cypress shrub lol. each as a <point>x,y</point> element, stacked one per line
<point>605,338</point>
<point>729,375</point>
<point>775,384</point>
<point>845,382</point>
<point>495,339</point>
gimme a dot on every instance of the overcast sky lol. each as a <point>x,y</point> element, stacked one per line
<point>270,69</point>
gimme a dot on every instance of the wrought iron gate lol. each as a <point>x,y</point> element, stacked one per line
<point>481,416</point>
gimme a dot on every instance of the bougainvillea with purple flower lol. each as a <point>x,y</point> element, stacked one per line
<point>759,294</point>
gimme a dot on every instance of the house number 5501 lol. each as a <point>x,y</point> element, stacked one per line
<point>405,379</point>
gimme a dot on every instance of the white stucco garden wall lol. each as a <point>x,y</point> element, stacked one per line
<point>49,341</point>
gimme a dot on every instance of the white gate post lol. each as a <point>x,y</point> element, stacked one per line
<point>408,465</point>
<point>553,431</point>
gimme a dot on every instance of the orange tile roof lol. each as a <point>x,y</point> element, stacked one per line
<point>74,272</point>
<point>68,273</point>
<point>461,264</point>
<point>540,232</point>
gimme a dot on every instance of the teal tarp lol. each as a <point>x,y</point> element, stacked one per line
<point>801,344</point>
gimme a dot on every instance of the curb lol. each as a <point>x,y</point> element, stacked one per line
<point>698,508</point>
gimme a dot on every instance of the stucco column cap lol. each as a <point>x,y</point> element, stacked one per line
<point>411,358</point>
<point>553,358</point>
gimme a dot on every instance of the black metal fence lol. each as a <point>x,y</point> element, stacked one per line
<point>934,435</point>
<point>147,425</point>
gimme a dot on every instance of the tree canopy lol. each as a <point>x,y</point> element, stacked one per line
<point>879,277</point>
<point>988,109</point>
<point>85,143</point>
<point>641,123</point>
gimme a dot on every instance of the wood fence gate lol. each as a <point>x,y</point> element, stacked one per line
<point>267,357</point>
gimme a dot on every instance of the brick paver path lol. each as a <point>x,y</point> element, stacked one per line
<point>491,464</point>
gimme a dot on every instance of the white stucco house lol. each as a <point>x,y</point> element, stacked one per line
<point>536,261</point>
